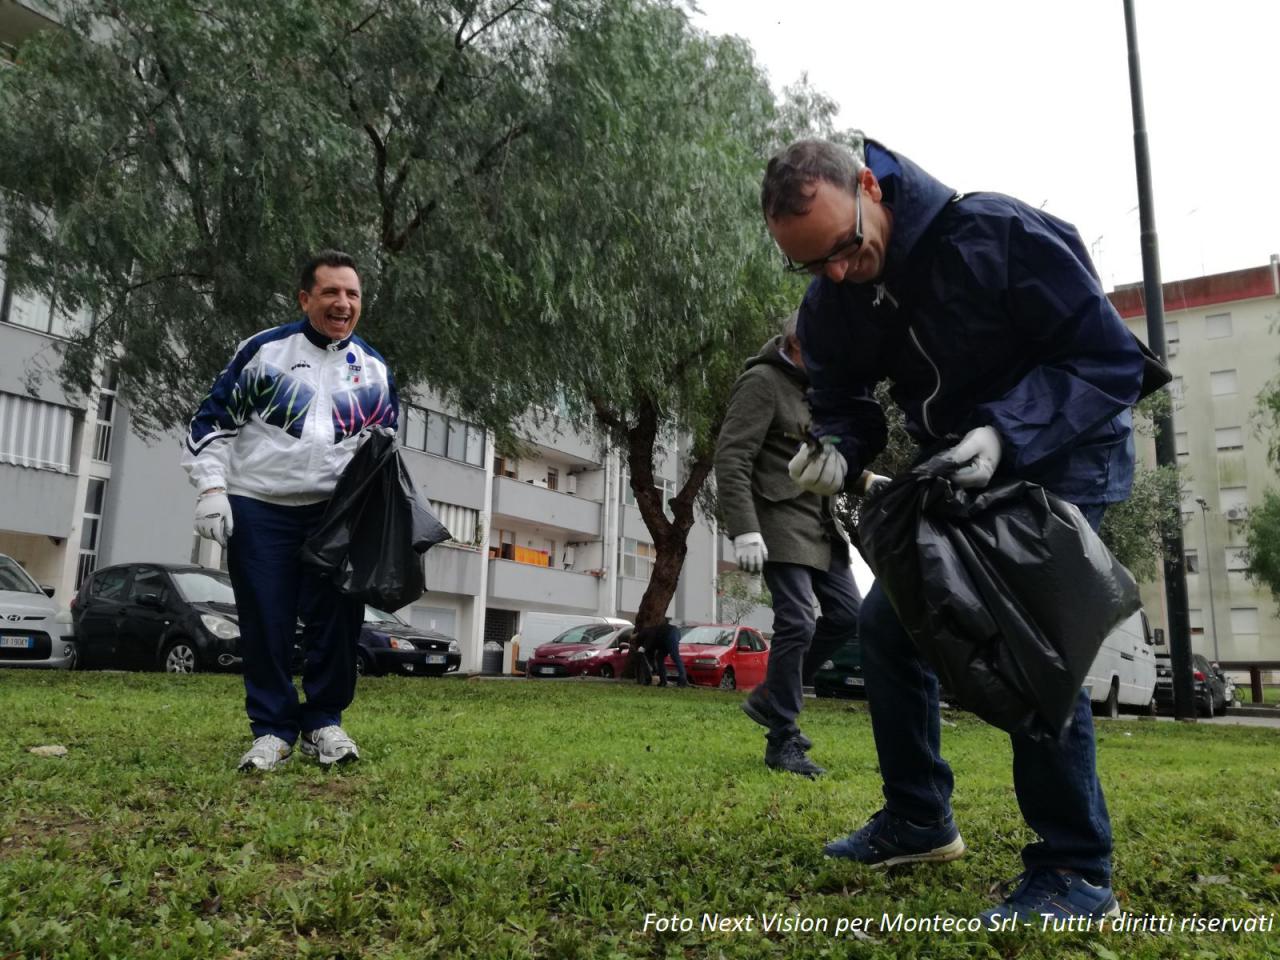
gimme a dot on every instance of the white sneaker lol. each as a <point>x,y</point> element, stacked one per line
<point>267,753</point>
<point>329,745</point>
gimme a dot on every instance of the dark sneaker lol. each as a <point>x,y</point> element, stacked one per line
<point>887,840</point>
<point>789,757</point>
<point>1053,893</point>
<point>759,708</point>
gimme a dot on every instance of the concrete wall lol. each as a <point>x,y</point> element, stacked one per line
<point>150,503</point>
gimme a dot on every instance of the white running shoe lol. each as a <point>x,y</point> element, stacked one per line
<point>329,745</point>
<point>267,753</point>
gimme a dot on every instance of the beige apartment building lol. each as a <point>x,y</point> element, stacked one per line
<point>1223,333</point>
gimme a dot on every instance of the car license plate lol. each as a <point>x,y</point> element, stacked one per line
<point>436,658</point>
<point>546,669</point>
<point>853,681</point>
<point>18,643</point>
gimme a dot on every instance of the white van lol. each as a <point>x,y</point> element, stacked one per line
<point>539,628</point>
<point>1124,672</point>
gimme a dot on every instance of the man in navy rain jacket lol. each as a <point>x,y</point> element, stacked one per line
<point>987,317</point>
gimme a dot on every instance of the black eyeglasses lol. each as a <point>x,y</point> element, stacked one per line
<point>843,251</point>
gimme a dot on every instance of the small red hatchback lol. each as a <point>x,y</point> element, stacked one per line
<point>727,656</point>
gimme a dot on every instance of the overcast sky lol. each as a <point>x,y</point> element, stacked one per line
<point>1031,98</point>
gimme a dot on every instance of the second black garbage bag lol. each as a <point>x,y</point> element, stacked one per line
<point>376,529</point>
<point>1006,591</point>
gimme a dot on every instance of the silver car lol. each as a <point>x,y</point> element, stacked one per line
<point>32,631</point>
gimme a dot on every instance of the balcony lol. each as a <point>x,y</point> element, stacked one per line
<point>545,508</point>
<point>543,588</point>
<point>453,569</point>
<point>37,501</point>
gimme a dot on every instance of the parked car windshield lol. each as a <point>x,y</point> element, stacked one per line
<point>203,586</point>
<point>14,578</point>
<point>585,633</point>
<point>374,615</point>
<point>712,636</point>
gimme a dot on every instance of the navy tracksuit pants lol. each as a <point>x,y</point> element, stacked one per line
<point>273,591</point>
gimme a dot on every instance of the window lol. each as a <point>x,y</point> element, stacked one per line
<point>461,522</point>
<point>1233,499</point>
<point>637,558</point>
<point>437,434</point>
<point>1176,389</point>
<point>553,478</point>
<point>1222,383</point>
<point>1244,621</point>
<point>1195,620</point>
<point>30,310</point>
<point>414,428</point>
<point>1180,440</point>
<point>106,412</point>
<point>475,445</point>
<point>444,436</point>
<point>1229,438</point>
<point>457,447</point>
<point>34,433</point>
<point>110,584</point>
<point>1217,326</point>
<point>1171,331</point>
<point>666,490</point>
<point>1192,559</point>
<point>1236,562</point>
<point>95,496</point>
<point>146,580</point>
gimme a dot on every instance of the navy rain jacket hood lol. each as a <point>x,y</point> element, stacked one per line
<point>988,312</point>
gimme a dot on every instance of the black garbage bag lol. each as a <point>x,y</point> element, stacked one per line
<point>1006,591</point>
<point>376,529</point>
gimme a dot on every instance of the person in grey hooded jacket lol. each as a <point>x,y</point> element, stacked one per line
<point>790,535</point>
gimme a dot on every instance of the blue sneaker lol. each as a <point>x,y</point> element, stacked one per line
<point>1053,893</point>
<point>887,840</point>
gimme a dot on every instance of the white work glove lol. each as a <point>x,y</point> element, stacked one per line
<point>213,517</point>
<point>751,552</point>
<point>873,483</point>
<point>819,469</point>
<point>979,452</point>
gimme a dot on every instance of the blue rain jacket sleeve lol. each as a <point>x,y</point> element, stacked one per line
<point>841,393</point>
<point>1093,365</point>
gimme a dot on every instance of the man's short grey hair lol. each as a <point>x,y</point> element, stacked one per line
<point>791,174</point>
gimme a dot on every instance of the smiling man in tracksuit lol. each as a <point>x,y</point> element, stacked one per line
<point>265,450</point>
<point>987,317</point>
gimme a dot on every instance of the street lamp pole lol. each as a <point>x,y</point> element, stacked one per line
<point>1208,572</point>
<point>1175,581</point>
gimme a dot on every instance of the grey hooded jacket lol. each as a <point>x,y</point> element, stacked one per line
<point>763,427</point>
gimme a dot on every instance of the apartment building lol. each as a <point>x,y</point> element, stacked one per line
<point>1223,346</point>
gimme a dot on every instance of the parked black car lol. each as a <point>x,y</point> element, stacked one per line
<point>390,645</point>
<point>841,676</point>
<point>1209,686</point>
<point>145,616</point>
<point>182,618</point>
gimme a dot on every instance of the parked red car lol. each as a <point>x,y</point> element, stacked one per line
<point>727,656</point>
<point>594,649</point>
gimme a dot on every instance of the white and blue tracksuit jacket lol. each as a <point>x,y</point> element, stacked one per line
<point>285,417</point>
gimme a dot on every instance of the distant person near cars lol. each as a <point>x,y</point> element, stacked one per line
<point>265,451</point>
<point>789,534</point>
<point>666,640</point>
<point>1005,355</point>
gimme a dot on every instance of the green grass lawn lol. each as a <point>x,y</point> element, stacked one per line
<point>543,819</point>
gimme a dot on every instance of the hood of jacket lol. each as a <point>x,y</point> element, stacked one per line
<point>915,198</point>
<point>771,354</point>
